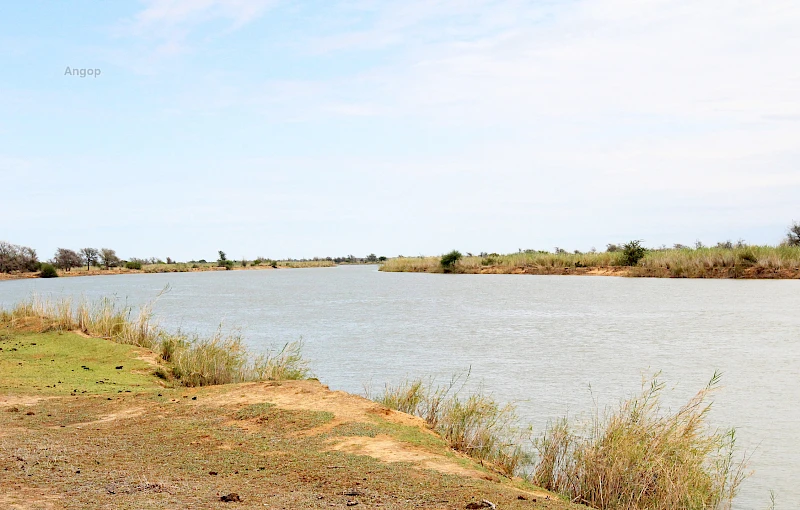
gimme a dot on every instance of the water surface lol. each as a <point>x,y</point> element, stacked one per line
<point>542,341</point>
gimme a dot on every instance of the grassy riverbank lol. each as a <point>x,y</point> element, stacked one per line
<point>147,417</point>
<point>708,262</point>
<point>89,422</point>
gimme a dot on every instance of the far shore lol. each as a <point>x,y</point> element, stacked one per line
<point>726,261</point>
<point>155,268</point>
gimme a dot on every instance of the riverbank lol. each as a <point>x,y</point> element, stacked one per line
<point>745,262</point>
<point>88,424</point>
<point>168,268</point>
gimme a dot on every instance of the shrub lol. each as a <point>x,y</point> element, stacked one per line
<point>48,271</point>
<point>632,253</point>
<point>448,260</point>
<point>133,264</point>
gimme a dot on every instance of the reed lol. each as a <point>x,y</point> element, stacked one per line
<point>193,360</point>
<point>638,457</point>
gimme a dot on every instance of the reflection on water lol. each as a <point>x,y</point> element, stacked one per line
<point>542,341</point>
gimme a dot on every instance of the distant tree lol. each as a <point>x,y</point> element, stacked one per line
<point>381,259</point>
<point>698,245</point>
<point>372,258</point>
<point>14,257</point>
<point>793,234</point>
<point>726,245</point>
<point>611,248</point>
<point>560,251</point>
<point>90,256</point>
<point>633,252</point>
<point>679,246</point>
<point>222,257</point>
<point>66,259</point>
<point>109,257</point>
<point>448,260</point>
<point>170,261</point>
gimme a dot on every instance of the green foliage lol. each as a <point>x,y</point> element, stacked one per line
<point>632,253</point>
<point>448,260</point>
<point>133,264</point>
<point>48,271</point>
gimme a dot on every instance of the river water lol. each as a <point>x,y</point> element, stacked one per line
<point>555,345</point>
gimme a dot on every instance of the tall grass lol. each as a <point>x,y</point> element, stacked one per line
<point>477,424</point>
<point>735,261</point>
<point>639,457</point>
<point>193,360</point>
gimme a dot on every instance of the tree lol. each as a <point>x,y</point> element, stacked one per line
<point>793,234</point>
<point>372,258</point>
<point>14,257</point>
<point>66,259</point>
<point>109,257</point>
<point>224,262</point>
<point>449,260</point>
<point>90,256</point>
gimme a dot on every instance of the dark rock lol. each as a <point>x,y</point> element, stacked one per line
<point>119,367</point>
<point>212,473</point>
<point>231,498</point>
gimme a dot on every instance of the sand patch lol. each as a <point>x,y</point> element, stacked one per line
<point>21,400</point>
<point>17,497</point>
<point>119,415</point>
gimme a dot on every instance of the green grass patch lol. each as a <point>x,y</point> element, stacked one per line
<point>58,363</point>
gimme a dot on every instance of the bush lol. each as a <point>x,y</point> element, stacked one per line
<point>133,264</point>
<point>48,271</point>
<point>449,260</point>
<point>632,253</point>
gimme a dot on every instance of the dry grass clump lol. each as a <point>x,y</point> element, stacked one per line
<point>477,425</point>
<point>195,361</point>
<point>638,457</point>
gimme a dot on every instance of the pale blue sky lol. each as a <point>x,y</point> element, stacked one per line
<point>300,129</point>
